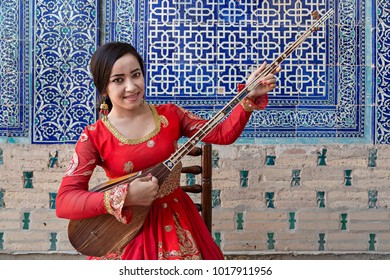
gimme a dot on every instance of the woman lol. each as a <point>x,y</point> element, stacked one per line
<point>133,135</point>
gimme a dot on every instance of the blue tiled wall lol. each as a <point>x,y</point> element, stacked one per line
<point>333,89</point>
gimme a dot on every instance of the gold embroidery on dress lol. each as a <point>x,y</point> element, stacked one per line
<point>127,141</point>
<point>83,137</point>
<point>75,170</point>
<point>110,256</point>
<point>128,167</point>
<point>74,163</point>
<point>189,114</point>
<point>168,228</point>
<point>164,121</point>
<point>187,245</point>
<point>171,183</point>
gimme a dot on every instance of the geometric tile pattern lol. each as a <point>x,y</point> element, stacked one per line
<point>196,52</point>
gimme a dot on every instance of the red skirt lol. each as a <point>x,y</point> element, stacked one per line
<point>173,230</point>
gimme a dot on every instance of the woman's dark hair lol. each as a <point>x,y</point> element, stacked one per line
<point>104,58</point>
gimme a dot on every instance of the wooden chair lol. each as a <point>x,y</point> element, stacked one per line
<point>204,188</point>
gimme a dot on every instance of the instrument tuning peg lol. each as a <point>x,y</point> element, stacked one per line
<point>316,16</point>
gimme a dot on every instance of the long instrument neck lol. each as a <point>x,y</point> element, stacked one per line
<point>216,119</point>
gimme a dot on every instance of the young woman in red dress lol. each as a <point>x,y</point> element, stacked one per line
<point>133,136</point>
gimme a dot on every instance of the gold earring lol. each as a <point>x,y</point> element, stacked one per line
<point>104,109</point>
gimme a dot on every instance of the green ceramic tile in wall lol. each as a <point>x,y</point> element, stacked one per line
<point>343,221</point>
<point>215,158</point>
<point>372,198</point>
<point>27,179</point>
<point>26,220</point>
<point>53,159</point>
<point>321,199</point>
<point>53,241</point>
<point>2,203</point>
<point>217,238</point>
<point>52,204</point>
<point>372,242</point>
<point>239,221</point>
<point>271,241</point>
<point>190,179</point>
<point>292,220</point>
<point>270,160</point>
<point>1,157</point>
<point>321,157</point>
<point>372,157</point>
<point>321,242</point>
<point>216,198</point>
<point>1,241</point>
<point>270,199</point>
<point>296,178</point>
<point>348,178</point>
<point>244,178</point>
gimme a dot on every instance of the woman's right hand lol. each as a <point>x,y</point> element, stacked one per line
<point>142,191</point>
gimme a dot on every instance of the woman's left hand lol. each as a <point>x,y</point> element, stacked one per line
<point>265,84</point>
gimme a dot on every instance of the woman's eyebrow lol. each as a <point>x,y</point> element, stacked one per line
<point>118,75</point>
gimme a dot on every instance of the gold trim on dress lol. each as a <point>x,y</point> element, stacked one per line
<point>127,141</point>
<point>107,204</point>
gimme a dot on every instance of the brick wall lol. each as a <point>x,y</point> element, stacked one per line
<point>269,200</point>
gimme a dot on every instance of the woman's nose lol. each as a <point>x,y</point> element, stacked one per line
<point>130,86</point>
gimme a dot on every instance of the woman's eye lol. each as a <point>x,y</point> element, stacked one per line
<point>117,80</point>
<point>136,75</point>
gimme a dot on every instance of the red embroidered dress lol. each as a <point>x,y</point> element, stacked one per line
<point>173,228</point>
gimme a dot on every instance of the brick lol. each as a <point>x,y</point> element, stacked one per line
<point>223,226</point>
<point>383,162</point>
<point>223,214</point>
<point>346,246</point>
<point>9,214</point>
<point>26,236</point>
<point>244,247</point>
<point>319,226</point>
<point>243,236</point>
<point>265,226</point>
<point>277,174</point>
<point>264,215</point>
<point>316,215</point>
<point>321,185</point>
<point>369,226</point>
<point>10,225</point>
<point>369,215</point>
<point>31,246</point>
<point>346,236</point>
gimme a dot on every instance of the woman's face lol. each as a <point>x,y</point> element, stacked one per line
<point>126,84</point>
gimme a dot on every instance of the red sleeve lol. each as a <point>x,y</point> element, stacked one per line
<point>224,133</point>
<point>74,201</point>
